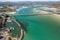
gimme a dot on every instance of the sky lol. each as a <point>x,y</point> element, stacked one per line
<point>28,0</point>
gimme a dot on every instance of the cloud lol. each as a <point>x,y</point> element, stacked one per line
<point>29,0</point>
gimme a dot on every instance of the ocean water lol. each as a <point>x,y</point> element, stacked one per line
<point>41,27</point>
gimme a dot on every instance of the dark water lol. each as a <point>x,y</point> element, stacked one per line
<point>42,27</point>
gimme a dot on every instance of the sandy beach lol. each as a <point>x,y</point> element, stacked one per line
<point>40,11</point>
<point>10,12</point>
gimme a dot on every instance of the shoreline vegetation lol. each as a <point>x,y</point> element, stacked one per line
<point>7,10</point>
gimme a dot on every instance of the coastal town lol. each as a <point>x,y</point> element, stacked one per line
<point>16,16</point>
<point>14,6</point>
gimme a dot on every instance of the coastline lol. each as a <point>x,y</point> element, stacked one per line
<point>10,12</point>
<point>40,11</point>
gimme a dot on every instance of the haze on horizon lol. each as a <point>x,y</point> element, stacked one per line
<point>26,0</point>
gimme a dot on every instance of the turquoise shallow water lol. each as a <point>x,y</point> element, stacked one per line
<point>42,27</point>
